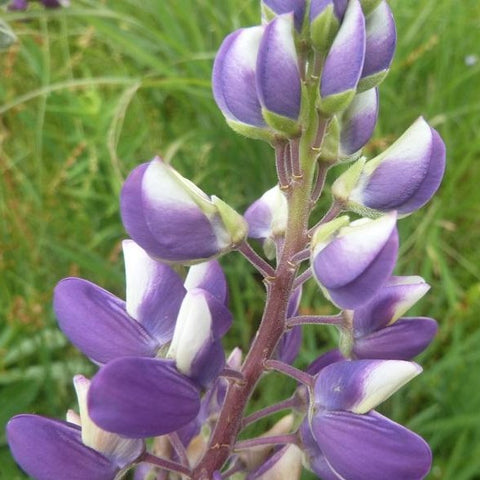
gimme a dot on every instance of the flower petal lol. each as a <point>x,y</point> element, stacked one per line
<point>358,122</point>
<point>208,276</point>
<point>50,449</point>
<point>96,322</point>
<point>344,61</point>
<point>391,302</point>
<point>358,261</point>
<point>278,77</point>
<point>154,292</point>
<point>360,385</point>
<point>380,44</point>
<point>403,340</point>
<point>370,447</point>
<point>234,87</point>
<point>278,7</point>
<point>142,397</point>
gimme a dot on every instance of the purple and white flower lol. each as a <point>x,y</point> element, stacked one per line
<point>344,63</point>
<point>175,221</point>
<point>345,438</point>
<point>77,449</point>
<point>403,178</point>
<point>351,262</point>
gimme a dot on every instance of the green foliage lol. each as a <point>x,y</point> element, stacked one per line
<point>90,91</point>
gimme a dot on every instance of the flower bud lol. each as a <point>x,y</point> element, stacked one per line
<point>278,76</point>
<point>344,62</point>
<point>380,46</point>
<point>234,84</point>
<point>173,220</point>
<point>267,219</point>
<point>350,130</point>
<point>351,263</point>
<point>272,8</point>
<point>402,178</point>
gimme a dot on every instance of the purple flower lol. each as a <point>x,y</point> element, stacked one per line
<point>142,397</point>
<point>77,449</point>
<point>380,46</point>
<point>350,440</point>
<point>403,178</point>
<point>352,262</point>
<point>378,330</point>
<point>344,62</point>
<point>173,220</point>
<point>358,122</point>
<point>104,327</point>
<point>278,76</point>
<point>272,8</point>
<point>267,219</point>
<point>233,79</point>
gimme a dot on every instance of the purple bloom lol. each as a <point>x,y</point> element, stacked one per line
<point>142,397</point>
<point>272,8</point>
<point>404,177</point>
<point>344,62</point>
<point>349,439</point>
<point>267,219</point>
<point>358,122</point>
<point>380,46</point>
<point>78,450</point>
<point>104,327</point>
<point>351,263</point>
<point>233,79</point>
<point>379,332</point>
<point>277,74</point>
<point>173,220</point>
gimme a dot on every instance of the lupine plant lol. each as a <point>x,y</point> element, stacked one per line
<point>167,401</point>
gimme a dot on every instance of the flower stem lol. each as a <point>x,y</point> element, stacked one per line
<point>292,372</point>
<point>302,278</point>
<point>256,260</point>
<point>280,160</point>
<point>291,402</point>
<point>179,448</point>
<point>315,320</point>
<point>166,464</point>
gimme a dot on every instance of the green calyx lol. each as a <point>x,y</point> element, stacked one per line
<point>285,125</point>
<point>257,133</point>
<point>324,233</point>
<point>323,29</point>
<point>234,223</point>
<point>336,103</point>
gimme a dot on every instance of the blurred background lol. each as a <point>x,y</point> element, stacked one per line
<point>90,91</point>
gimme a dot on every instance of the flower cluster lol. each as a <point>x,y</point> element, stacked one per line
<point>306,81</point>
